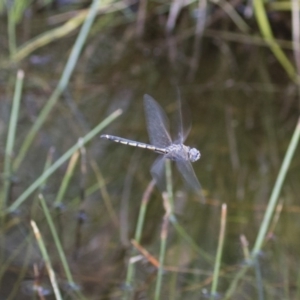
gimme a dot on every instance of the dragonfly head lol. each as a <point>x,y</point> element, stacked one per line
<point>194,154</point>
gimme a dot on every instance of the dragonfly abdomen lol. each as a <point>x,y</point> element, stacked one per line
<point>133,143</point>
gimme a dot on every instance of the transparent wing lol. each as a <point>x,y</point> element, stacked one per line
<point>187,172</point>
<point>182,121</point>
<point>158,173</point>
<point>157,123</point>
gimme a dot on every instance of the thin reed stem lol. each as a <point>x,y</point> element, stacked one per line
<point>163,245</point>
<point>270,209</point>
<point>59,248</point>
<point>276,190</point>
<point>219,252</point>
<point>47,261</point>
<point>66,180</point>
<point>11,139</point>
<point>138,235</point>
<point>168,169</point>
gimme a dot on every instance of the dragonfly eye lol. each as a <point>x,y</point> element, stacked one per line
<point>194,154</point>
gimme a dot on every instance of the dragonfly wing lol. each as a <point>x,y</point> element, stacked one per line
<point>157,123</point>
<point>158,173</point>
<point>182,121</point>
<point>186,170</point>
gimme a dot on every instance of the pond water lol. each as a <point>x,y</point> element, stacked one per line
<point>244,110</point>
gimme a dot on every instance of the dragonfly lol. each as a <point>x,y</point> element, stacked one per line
<point>161,143</point>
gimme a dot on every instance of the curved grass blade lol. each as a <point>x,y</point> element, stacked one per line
<point>266,31</point>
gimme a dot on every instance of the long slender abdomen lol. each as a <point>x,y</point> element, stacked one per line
<point>133,143</point>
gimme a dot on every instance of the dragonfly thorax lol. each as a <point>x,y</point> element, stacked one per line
<point>182,152</point>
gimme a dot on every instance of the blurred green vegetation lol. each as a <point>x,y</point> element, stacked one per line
<point>78,207</point>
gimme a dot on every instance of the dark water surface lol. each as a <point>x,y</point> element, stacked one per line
<point>244,110</point>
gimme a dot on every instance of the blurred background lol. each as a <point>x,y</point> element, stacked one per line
<point>235,65</point>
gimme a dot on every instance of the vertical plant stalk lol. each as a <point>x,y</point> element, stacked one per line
<point>47,261</point>
<point>39,181</point>
<point>245,247</point>
<point>11,139</point>
<point>219,252</point>
<point>259,279</point>
<point>163,245</point>
<point>83,172</point>
<point>179,229</point>
<point>270,209</point>
<point>138,235</point>
<point>64,80</point>
<point>169,184</point>
<point>276,191</point>
<point>141,219</point>
<point>168,201</point>
<point>58,245</point>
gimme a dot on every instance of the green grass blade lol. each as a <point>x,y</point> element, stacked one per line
<point>169,182</point>
<point>11,138</point>
<point>163,244</point>
<point>179,229</point>
<point>266,31</point>
<point>47,37</point>
<point>137,237</point>
<point>270,209</point>
<point>58,245</point>
<point>64,80</point>
<point>61,160</point>
<point>259,279</point>
<point>276,190</point>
